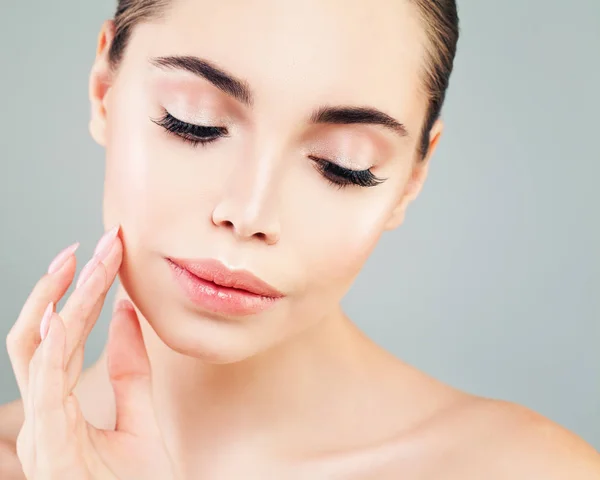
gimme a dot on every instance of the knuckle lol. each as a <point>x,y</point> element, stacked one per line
<point>16,341</point>
<point>23,445</point>
<point>12,341</point>
<point>44,287</point>
<point>79,309</point>
<point>43,291</point>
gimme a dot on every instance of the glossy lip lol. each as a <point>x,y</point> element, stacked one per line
<point>217,273</point>
<point>211,285</point>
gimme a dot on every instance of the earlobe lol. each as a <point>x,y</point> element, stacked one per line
<point>100,82</point>
<point>417,179</point>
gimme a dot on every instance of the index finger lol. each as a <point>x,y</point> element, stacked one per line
<point>83,307</point>
<point>24,336</point>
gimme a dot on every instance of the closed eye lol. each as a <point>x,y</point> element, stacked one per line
<point>203,135</point>
<point>342,177</point>
<point>191,133</point>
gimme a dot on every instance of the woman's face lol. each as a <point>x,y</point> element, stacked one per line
<point>271,192</point>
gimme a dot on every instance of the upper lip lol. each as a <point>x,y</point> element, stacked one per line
<point>214,271</point>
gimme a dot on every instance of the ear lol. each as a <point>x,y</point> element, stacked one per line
<point>101,78</point>
<point>417,178</point>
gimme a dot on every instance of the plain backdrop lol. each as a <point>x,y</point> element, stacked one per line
<point>492,283</point>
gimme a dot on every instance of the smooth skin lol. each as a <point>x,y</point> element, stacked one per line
<point>55,440</point>
<point>296,392</point>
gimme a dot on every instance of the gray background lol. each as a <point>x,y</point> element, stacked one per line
<point>491,284</point>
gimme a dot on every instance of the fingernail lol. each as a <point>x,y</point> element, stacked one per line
<point>87,271</point>
<point>123,304</point>
<point>45,325</point>
<point>62,257</point>
<point>102,249</point>
<point>106,242</point>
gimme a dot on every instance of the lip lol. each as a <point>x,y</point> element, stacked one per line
<point>209,284</point>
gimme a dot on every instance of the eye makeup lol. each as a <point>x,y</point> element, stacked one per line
<point>342,177</point>
<point>202,135</point>
<point>189,132</point>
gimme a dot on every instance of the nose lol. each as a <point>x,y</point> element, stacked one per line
<point>249,206</point>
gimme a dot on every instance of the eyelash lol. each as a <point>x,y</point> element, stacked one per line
<point>190,133</point>
<point>199,135</point>
<point>342,177</point>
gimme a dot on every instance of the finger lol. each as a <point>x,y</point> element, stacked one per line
<point>26,441</point>
<point>24,337</point>
<point>75,361</point>
<point>95,313</point>
<point>34,367</point>
<point>129,373</point>
<point>84,305</point>
<point>48,397</point>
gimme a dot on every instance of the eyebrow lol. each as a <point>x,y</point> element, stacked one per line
<point>241,91</point>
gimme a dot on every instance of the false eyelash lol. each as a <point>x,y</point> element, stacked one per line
<point>343,177</point>
<point>202,135</point>
<point>193,134</point>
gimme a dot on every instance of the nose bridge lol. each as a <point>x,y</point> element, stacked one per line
<point>249,205</point>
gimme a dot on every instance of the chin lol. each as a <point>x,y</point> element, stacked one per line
<point>209,339</point>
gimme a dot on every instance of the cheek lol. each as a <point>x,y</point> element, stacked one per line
<point>151,188</point>
<point>130,176</point>
<point>144,172</point>
<point>342,252</point>
<point>336,242</point>
<point>131,193</point>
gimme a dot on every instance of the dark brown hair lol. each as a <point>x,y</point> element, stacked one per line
<point>440,17</point>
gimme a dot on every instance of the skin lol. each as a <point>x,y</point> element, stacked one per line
<point>258,389</point>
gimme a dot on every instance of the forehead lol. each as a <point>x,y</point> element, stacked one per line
<point>301,53</point>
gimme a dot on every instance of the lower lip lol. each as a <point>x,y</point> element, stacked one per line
<point>218,299</point>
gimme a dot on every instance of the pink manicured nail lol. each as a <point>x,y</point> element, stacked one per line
<point>100,253</point>
<point>45,325</point>
<point>87,271</point>
<point>105,242</point>
<point>62,257</point>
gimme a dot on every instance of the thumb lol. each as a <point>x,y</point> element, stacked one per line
<point>129,372</point>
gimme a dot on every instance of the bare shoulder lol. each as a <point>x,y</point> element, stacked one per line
<point>463,436</point>
<point>11,419</point>
<point>501,440</point>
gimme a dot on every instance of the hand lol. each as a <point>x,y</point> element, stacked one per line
<point>46,351</point>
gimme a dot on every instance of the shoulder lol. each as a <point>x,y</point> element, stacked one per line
<point>10,467</point>
<point>11,418</point>
<point>498,439</point>
<point>541,446</point>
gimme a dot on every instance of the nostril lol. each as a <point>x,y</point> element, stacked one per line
<point>246,227</point>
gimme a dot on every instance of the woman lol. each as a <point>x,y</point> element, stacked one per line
<point>255,153</point>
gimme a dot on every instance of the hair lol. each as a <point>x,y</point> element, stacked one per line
<point>439,16</point>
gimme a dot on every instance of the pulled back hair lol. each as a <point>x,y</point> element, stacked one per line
<point>442,29</point>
